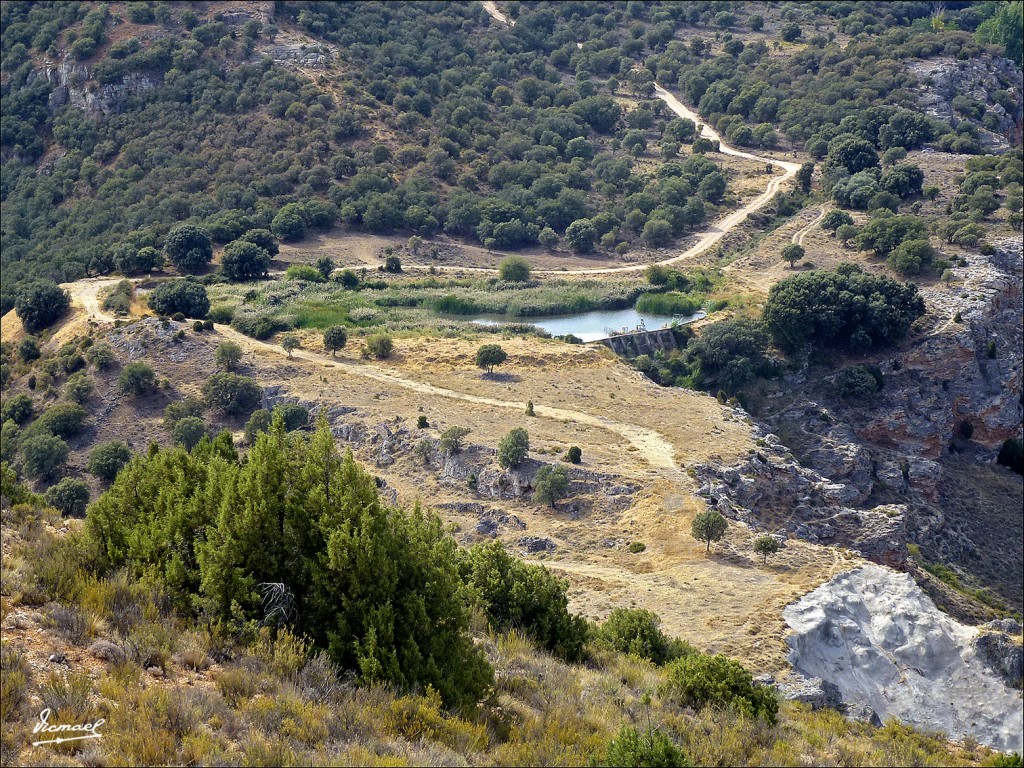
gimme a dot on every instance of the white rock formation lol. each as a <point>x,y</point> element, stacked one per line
<point>878,637</point>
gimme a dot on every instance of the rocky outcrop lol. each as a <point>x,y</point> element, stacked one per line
<point>943,78</point>
<point>771,492</point>
<point>997,647</point>
<point>875,636</point>
<point>73,84</point>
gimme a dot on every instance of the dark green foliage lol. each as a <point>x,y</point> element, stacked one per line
<point>729,355</point>
<point>379,345</point>
<point>699,680</point>
<point>335,338</point>
<point>709,526</point>
<point>793,253</point>
<point>392,264</point>
<point>637,632</point>
<point>574,455</point>
<point>78,387</point>
<point>43,455</point>
<point>451,439</point>
<point>764,546</point>
<point>376,586</point>
<point>62,419</point>
<point>490,355</point>
<point>514,269</point>
<point>550,484</point>
<point>580,235</point>
<point>422,422</point>
<point>244,260</point>
<point>651,749</point>
<point>17,408</point>
<point>184,296</point>
<point>70,496</point>
<point>101,355</point>
<point>852,153</point>
<point>515,595</point>
<point>885,231</point>
<point>137,379</point>
<point>856,383</point>
<point>512,448</point>
<point>175,411</point>
<point>107,459</point>
<point>188,247</point>
<point>228,355</point>
<point>911,257</point>
<point>188,431</point>
<point>262,238</point>
<point>40,304</point>
<point>846,309</point>
<point>1011,454</point>
<point>28,349</point>
<point>260,421</point>
<point>325,266</point>
<point>231,394</point>
<point>294,416</point>
<point>835,219</point>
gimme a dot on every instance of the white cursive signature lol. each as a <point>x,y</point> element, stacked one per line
<point>86,730</point>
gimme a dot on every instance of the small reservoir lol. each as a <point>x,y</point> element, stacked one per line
<point>588,326</point>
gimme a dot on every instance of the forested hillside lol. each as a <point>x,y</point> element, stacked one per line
<point>122,120</point>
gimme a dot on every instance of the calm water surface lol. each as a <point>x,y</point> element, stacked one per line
<point>588,326</point>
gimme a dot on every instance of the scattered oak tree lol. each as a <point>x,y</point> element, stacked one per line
<point>490,355</point>
<point>764,546</point>
<point>512,448</point>
<point>550,485</point>
<point>335,338</point>
<point>709,526</point>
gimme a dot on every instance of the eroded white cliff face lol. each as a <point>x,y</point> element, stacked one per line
<point>875,635</point>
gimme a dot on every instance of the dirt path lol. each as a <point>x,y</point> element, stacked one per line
<point>707,237</point>
<point>656,450</point>
<point>86,294</point>
<point>798,237</point>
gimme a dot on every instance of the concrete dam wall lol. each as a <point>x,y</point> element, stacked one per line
<point>641,342</point>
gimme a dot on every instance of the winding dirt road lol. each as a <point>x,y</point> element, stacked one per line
<point>706,238</point>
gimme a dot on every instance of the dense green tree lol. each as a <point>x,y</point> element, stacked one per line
<point>764,546</point>
<point>846,308</point>
<point>709,526</point>
<point>231,394</point>
<point>62,419</point>
<point>514,269</point>
<point>228,355</point>
<point>852,153</point>
<point>188,431</point>
<point>451,439</point>
<point>243,260</point>
<point>43,455</point>
<point>637,632</point>
<point>137,378</point>
<point>793,253</point>
<point>911,256</point>
<point>835,219</point>
<point>17,408</point>
<point>376,586</point>
<point>335,338</point>
<point>699,680</point>
<point>581,235</point>
<point>728,355</point>
<point>884,232</point>
<point>40,304</point>
<point>290,343</point>
<point>107,459</point>
<point>184,296</point>
<point>515,595</point>
<point>490,355</point>
<point>513,447</point>
<point>550,484</point>
<point>188,247</point>
<point>262,238</point>
<point>288,225</point>
<point>70,496</point>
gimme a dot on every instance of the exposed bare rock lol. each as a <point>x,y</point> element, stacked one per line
<point>535,544</point>
<point>1004,654</point>
<point>942,78</point>
<point>876,636</point>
